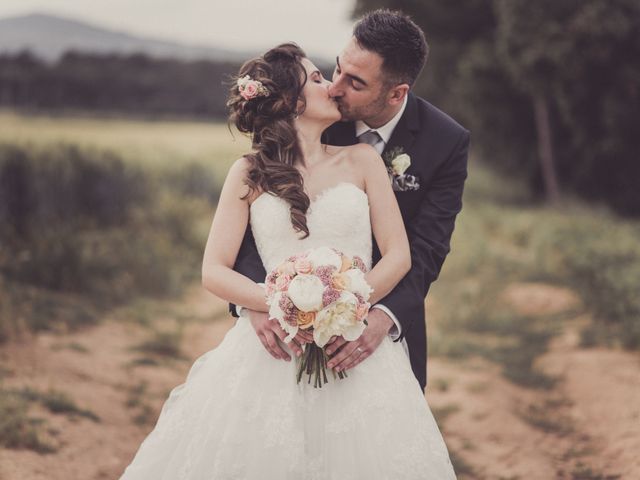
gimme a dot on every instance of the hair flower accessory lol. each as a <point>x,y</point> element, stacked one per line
<point>250,88</point>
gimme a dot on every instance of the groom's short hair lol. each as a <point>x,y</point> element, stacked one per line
<point>397,39</point>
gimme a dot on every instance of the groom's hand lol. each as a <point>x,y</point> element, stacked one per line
<point>269,331</point>
<point>350,354</point>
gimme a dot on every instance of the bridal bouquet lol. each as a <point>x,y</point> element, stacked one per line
<point>322,291</point>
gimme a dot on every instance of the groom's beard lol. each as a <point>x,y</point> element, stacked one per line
<point>362,112</point>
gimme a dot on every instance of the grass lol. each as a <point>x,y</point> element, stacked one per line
<point>182,165</point>
<point>74,346</point>
<point>155,145</point>
<point>56,402</point>
<point>504,237</point>
<point>547,418</point>
<point>136,395</point>
<point>441,413</point>
<point>116,230</point>
<point>462,468</point>
<point>20,430</point>
<point>441,384</point>
<point>163,344</point>
<point>584,472</point>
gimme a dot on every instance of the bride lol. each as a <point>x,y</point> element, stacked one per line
<point>240,414</point>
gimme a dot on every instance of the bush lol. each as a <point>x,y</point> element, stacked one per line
<point>601,259</point>
<point>41,190</point>
<point>84,222</point>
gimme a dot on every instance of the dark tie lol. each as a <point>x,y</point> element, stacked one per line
<point>370,137</point>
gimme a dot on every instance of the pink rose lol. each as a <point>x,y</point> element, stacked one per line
<point>269,290</point>
<point>290,311</point>
<point>303,266</point>
<point>329,296</point>
<point>250,90</point>
<point>282,282</point>
<point>359,264</point>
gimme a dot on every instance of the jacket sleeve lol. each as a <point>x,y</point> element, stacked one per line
<point>429,234</point>
<point>248,263</point>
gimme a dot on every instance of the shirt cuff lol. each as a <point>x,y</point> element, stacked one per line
<point>396,330</point>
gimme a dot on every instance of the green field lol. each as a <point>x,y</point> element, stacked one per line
<point>145,143</point>
<point>502,236</point>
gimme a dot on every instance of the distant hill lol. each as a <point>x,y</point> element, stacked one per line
<point>49,36</point>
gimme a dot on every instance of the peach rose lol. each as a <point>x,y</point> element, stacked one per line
<point>362,310</point>
<point>305,319</point>
<point>287,268</point>
<point>303,266</point>
<point>346,264</point>
<point>339,281</point>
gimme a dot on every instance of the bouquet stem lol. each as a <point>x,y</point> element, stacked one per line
<point>313,362</point>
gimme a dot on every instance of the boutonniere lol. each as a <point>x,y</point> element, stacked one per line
<point>397,163</point>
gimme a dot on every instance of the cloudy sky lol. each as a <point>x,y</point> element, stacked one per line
<point>320,26</point>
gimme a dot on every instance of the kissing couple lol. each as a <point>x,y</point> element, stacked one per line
<point>325,240</point>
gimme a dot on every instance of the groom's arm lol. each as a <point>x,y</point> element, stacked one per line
<point>429,235</point>
<point>248,263</point>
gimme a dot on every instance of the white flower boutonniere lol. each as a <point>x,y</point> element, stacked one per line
<point>397,163</point>
<point>400,164</point>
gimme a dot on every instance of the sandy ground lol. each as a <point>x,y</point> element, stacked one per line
<point>585,428</point>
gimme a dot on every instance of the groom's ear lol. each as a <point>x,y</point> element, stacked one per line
<point>397,93</point>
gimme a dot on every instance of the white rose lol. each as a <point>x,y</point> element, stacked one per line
<point>339,318</point>
<point>305,291</point>
<point>400,164</point>
<point>324,256</point>
<point>357,283</point>
<point>276,312</point>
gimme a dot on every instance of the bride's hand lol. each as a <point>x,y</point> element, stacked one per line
<point>269,331</point>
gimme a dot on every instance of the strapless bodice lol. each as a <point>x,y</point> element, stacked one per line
<point>338,217</point>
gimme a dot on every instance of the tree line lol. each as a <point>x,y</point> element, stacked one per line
<point>550,89</point>
<point>133,84</point>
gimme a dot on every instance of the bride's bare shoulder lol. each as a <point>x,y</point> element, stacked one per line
<point>237,179</point>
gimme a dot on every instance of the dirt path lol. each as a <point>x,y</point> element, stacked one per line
<point>103,380</point>
<point>585,428</point>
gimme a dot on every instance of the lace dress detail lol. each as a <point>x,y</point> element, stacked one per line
<point>241,415</point>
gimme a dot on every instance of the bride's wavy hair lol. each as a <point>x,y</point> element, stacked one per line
<point>269,122</point>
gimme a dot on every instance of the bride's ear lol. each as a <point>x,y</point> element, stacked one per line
<point>300,106</point>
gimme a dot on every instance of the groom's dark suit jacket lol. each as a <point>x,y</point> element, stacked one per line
<point>438,147</point>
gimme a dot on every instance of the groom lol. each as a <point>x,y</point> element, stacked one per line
<point>426,152</point>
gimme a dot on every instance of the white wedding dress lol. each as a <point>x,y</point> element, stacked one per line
<point>241,415</point>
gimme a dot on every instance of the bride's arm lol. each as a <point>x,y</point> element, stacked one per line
<point>387,225</point>
<point>225,236</point>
